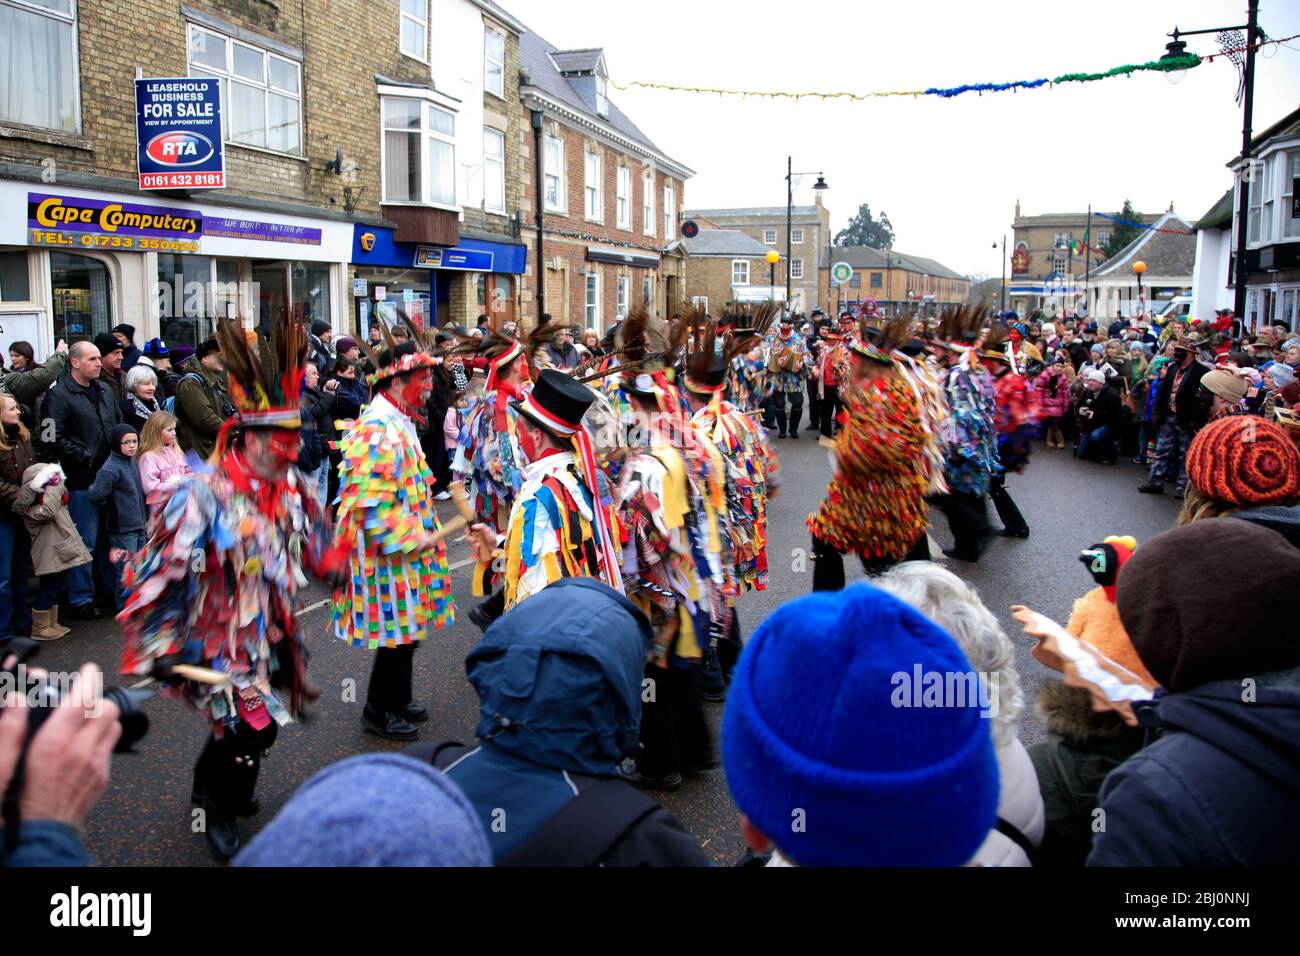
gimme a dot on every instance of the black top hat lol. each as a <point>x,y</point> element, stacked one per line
<point>913,347</point>
<point>557,402</point>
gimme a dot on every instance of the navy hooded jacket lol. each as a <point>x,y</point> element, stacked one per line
<point>559,685</point>
<point>1221,785</point>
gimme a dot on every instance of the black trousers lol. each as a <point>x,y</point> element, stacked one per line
<point>719,660</point>
<point>828,563</point>
<point>796,410</point>
<point>1012,520</point>
<point>390,679</point>
<point>227,768</point>
<point>829,410</point>
<point>814,405</point>
<point>967,520</point>
<point>674,734</point>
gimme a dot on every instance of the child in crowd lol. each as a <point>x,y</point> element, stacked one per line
<point>161,462</point>
<point>451,425</point>
<point>118,486</point>
<point>56,545</point>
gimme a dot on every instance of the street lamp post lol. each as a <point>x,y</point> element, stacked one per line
<point>889,286</point>
<point>773,257</point>
<point>1002,293</point>
<point>1140,267</point>
<point>1178,49</point>
<point>790,174</point>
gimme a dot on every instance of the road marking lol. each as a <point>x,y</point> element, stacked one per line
<point>311,607</point>
<point>144,683</point>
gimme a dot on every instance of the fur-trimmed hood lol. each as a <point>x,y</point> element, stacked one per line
<point>1067,712</point>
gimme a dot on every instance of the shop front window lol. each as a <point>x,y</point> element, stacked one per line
<point>13,277</point>
<point>271,281</point>
<point>311,291</point>
<point>82,292</point>
<point>184,300</point>
<point>395,296</point>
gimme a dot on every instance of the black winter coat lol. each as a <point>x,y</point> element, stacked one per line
<point>83,420</point>
<point>1193,407</point>
<point>1219,787</point>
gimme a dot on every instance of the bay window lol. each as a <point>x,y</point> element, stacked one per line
<point>419,152</point>
<point>1290,173</point>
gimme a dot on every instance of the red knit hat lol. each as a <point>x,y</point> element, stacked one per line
<point>1244,460</point>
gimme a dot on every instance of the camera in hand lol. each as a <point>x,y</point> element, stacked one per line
<point>42,698</point>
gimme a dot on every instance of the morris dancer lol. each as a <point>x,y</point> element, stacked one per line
<point>397,582</point>
<point>563,522</point>
<point>218,581</point>
<point>875,504</point>
<point>489,452</point>
<point>670,495</point>
<point>751,479</point>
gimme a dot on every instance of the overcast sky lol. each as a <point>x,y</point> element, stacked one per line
<point>947,171</point>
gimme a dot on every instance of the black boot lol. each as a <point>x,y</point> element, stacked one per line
<point>222,832</point>
<point>415,713</point>
<point>387,724</point>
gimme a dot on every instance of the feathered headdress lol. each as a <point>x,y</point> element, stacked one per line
<point>960,328</point>
<point>746,326</point>
<point>877,342</point>
<point>706,363</point>
<point>265,385</point>
<point>993,342</point>
<point>497,348</point>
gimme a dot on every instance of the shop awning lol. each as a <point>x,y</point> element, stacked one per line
<point>622,257</point>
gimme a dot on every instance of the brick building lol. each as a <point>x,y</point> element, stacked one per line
<point>725,267</point>
<point>1111,289</point>
<point>611,197</point>
<point>375,142</point>
<point>1040,264</point>
<point>896,281</point>
<point>810,235</point>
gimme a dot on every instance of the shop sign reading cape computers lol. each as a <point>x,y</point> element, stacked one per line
<point>178,133</point>
<point>79,222</point>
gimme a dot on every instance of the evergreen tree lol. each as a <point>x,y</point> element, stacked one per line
<point>1121,234</point>
<point>863,230</point>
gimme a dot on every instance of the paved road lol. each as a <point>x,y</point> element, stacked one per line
<point>145,817</point>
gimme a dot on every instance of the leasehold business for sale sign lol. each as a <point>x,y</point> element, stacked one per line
<point>178,133</point>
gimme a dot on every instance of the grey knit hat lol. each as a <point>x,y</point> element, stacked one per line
<point>373,810</point>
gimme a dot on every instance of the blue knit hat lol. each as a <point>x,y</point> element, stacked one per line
<point>373,810</point>
<point>828,752</point>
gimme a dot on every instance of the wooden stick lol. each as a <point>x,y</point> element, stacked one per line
<point>458,523</point>
<point>200,675</point>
